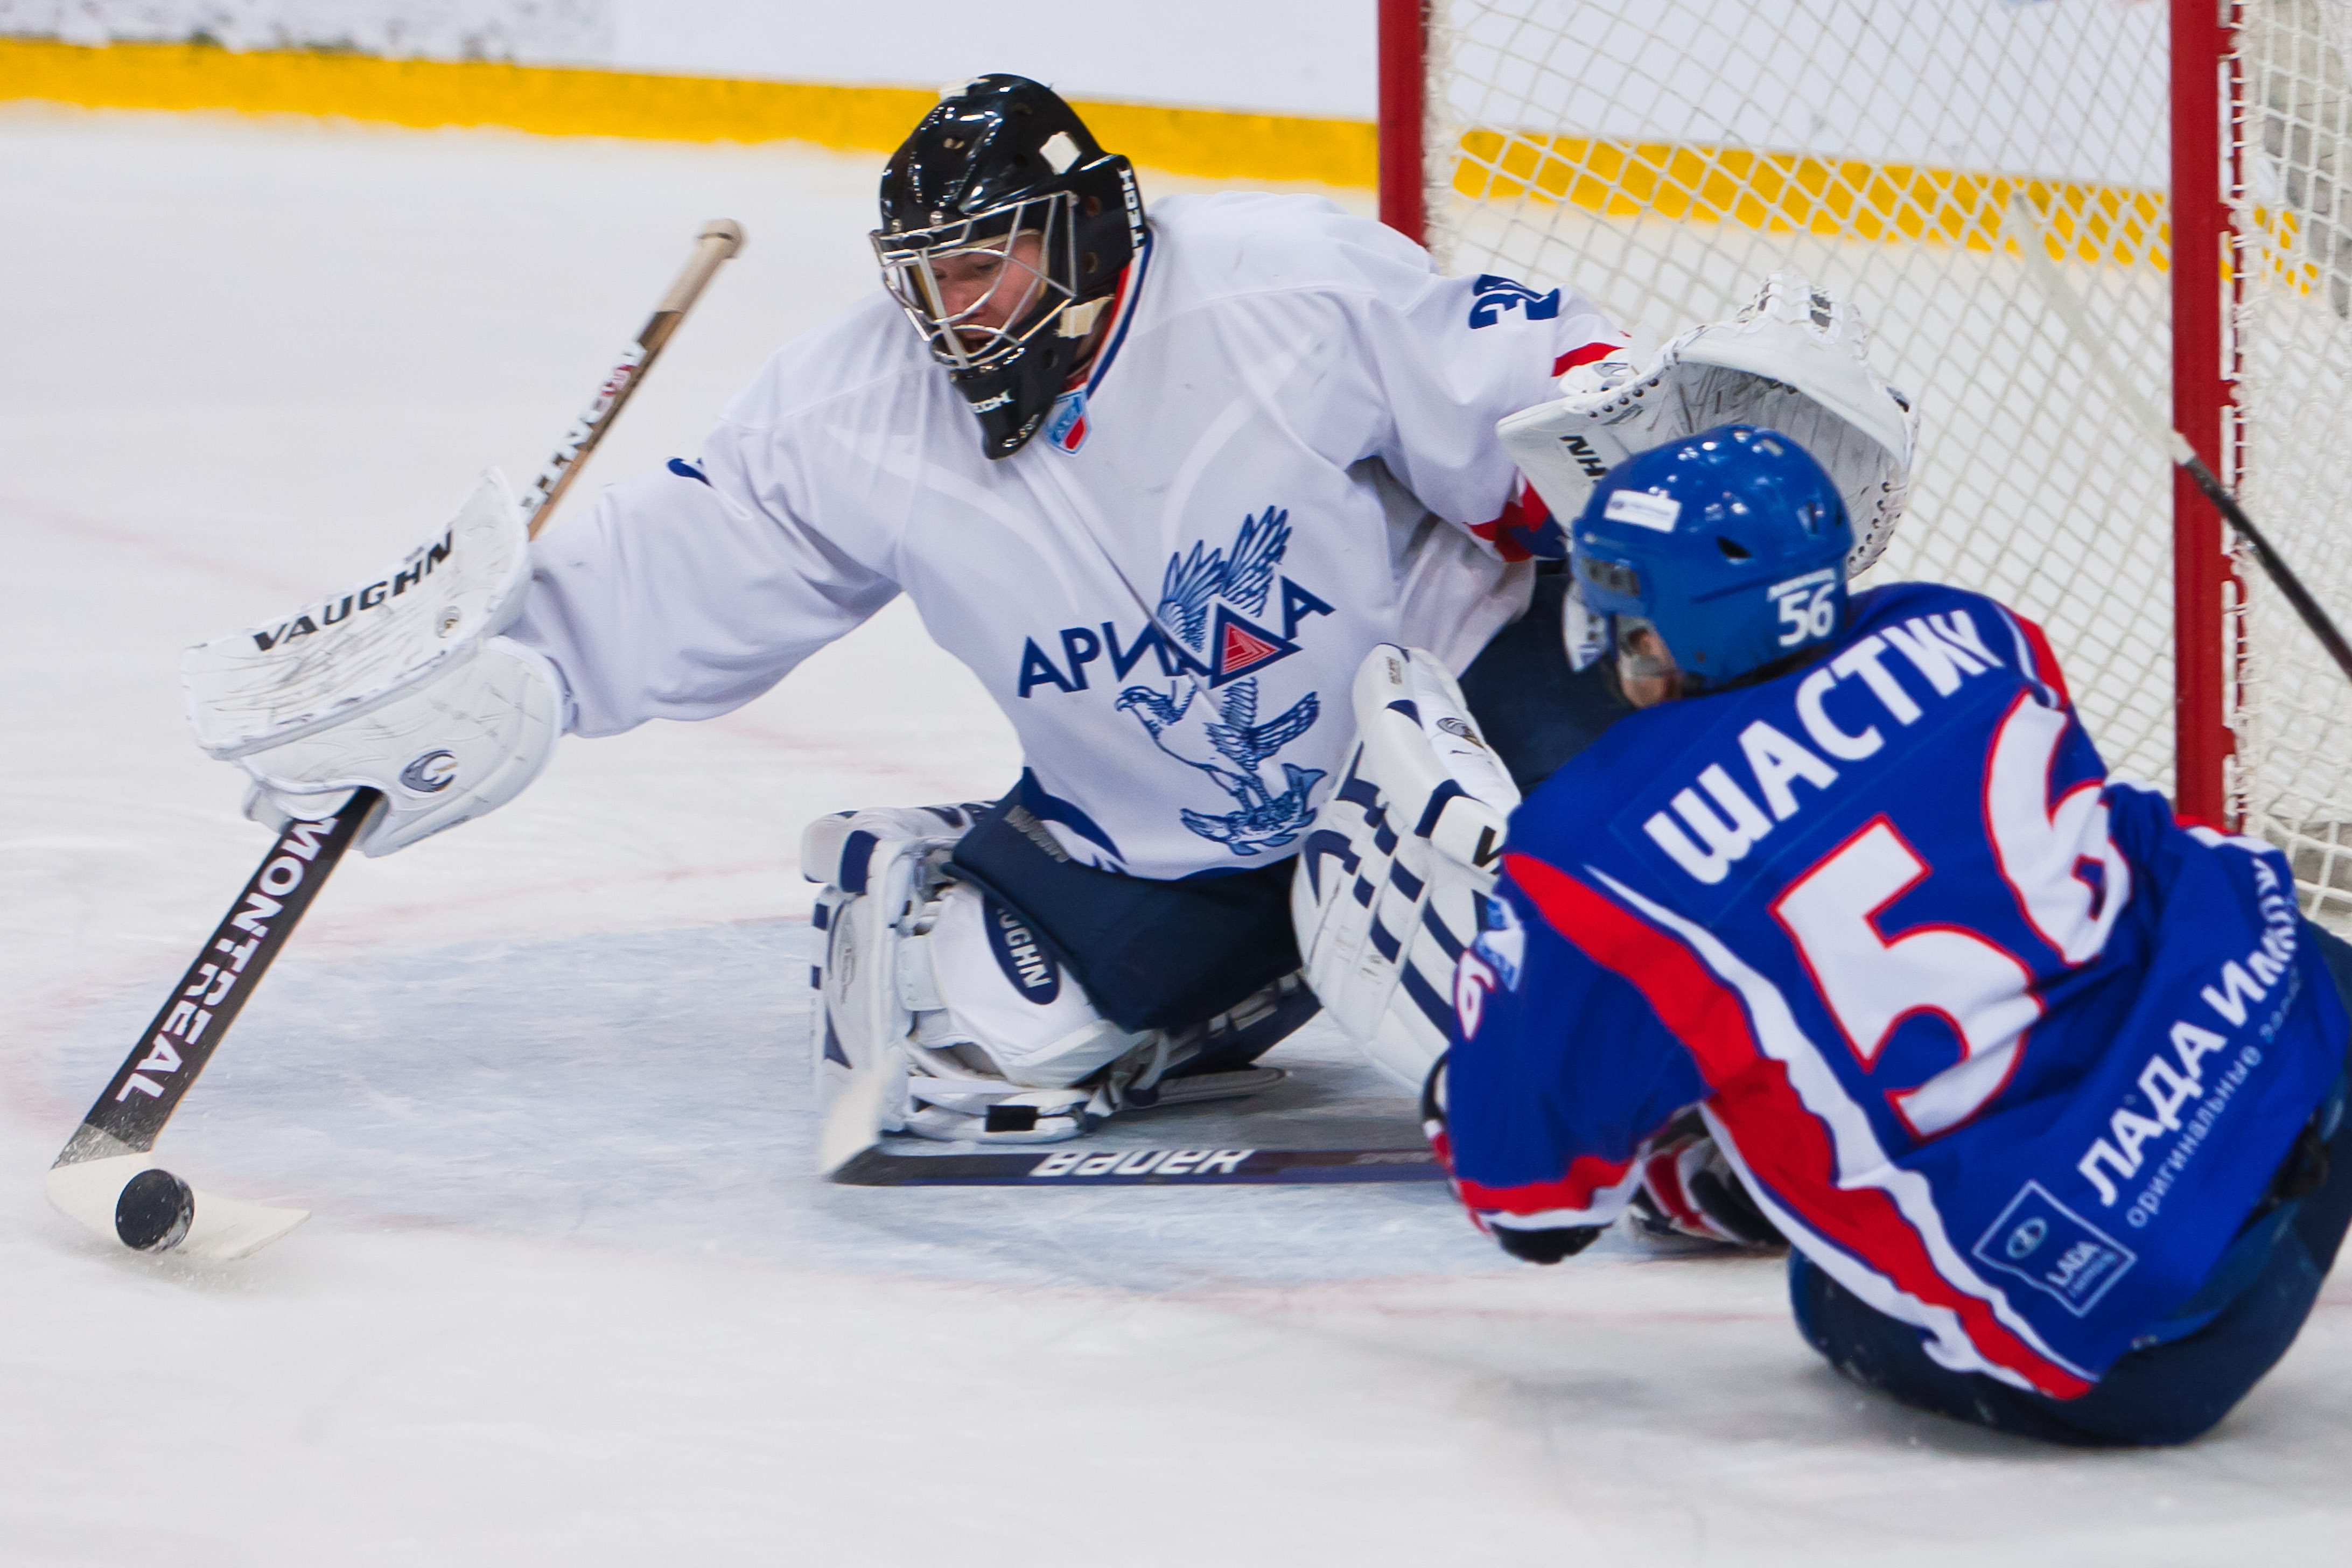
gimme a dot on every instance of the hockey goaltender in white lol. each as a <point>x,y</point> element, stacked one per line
<point>1162,478</point>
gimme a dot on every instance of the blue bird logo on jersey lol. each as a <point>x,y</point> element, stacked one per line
<point>1213,608</point>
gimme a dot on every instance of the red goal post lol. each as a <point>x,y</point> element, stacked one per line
<point>1662,155</point>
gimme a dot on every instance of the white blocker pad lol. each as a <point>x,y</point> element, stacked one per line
<point>1397,860</point>
<point>464,743</point>
<point>400,685</point>
<point>1796,361</point>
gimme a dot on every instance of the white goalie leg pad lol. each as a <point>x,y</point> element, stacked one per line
<point>1397,860</point>
<point>881,871</point>
<point>1797,359</point>
<point>931,983</point>
<point>401,685</point>
<point>994,990</point>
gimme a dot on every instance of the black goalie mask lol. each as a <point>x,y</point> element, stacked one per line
<point>1005,229</point>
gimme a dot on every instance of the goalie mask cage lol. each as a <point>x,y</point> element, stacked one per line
<point>1661,156</point>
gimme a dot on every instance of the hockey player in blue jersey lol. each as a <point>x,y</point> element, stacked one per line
<point>2043,1087</point>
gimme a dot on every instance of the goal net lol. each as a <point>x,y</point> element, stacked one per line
<point>1661,156</point>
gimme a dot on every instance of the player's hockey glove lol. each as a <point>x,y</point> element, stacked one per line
<point>1688,1188</point>
<point>1529,1244</point>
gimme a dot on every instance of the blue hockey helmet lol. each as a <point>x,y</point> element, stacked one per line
<point>1731,544</point>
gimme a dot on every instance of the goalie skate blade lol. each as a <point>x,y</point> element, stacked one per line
<point>1139,1167</point>
<point>89,1193</point>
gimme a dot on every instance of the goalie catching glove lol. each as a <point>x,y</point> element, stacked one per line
<point>401,686</point>
<point>1796,361</point>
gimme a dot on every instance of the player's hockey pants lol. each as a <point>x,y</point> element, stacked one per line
<point>2169,1392</point>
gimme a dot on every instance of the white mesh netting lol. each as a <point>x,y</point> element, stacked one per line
<point>2295,393</point>
<point>1661,156</point>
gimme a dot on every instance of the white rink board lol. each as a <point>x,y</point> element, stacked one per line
<point>1304,56</point>
<point>570,1296</point>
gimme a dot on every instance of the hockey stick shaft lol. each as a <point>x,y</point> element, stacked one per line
<point>2273,565</point>
<point>720,239</point>
<point>131,1110</point>
<point>179,1039</point>
<point>2063,298</point>
<point>1140,1167</point>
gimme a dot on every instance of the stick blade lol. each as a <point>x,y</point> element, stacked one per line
<point>87,1191</point>
<point>1072,1165</point>
<point>854,1125</point>
<point>228,1228</point>
<point>220,1229</point>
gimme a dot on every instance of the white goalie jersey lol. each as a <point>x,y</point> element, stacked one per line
<point>1282,454</point>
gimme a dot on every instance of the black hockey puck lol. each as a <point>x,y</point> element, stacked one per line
<point>154,1212</point>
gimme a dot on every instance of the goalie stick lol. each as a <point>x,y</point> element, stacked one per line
<point>104,1177</point>
<point>720,239</point>
<point>871,1167</point>
<point>2176,446</point>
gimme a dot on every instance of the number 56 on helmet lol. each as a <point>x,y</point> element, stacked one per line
<point>1731,544</point>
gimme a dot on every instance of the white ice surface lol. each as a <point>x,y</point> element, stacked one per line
<point>572,1295</point>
